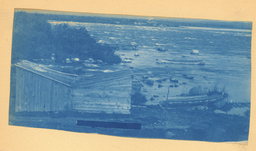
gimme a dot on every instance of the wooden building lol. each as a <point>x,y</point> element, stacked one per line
<point>39,88</point>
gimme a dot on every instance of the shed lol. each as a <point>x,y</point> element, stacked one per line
<point>40,88</point>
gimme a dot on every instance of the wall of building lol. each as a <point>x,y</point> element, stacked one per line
<point>38,93</point>
<point>104,93</point>
<point>41,89</point>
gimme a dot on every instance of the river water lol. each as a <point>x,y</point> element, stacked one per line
<point>226,53</point>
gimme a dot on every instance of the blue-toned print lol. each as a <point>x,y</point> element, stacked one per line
<point>144,77</point>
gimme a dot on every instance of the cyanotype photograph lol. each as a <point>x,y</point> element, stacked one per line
<point>131,76</point>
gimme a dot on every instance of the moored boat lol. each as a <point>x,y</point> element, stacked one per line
<point>194,100</point>
<point>181,61</point>
<point>194,52</point>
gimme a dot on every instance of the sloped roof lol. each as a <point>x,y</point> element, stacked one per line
<point>92,77</point>
<point>44,71</point>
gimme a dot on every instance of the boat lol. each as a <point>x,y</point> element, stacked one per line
<point>181,61</point>
<point>127,61</point>
<point>193,100</point>
<point>188,77</point>
<point>136,54</point>
<point>162,49</point>
<point>194,51</point>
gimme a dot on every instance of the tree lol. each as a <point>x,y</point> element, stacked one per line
<point>73,42</point>
<point>35,38</point>
<point>31,37</point>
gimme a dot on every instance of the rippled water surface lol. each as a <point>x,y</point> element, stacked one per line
<point>226,53</point>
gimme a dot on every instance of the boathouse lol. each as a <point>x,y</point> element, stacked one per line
<point>42,89</point>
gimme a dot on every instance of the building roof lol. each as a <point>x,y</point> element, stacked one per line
<point>91,77</point>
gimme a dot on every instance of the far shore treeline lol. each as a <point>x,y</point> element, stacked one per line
<point>35,38</point>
